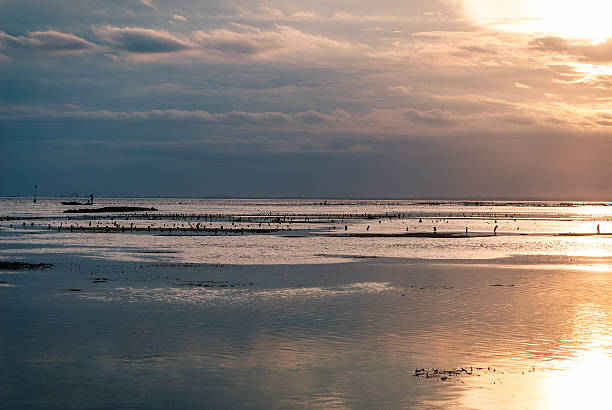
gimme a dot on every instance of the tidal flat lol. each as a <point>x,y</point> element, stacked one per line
<point>139,320</point>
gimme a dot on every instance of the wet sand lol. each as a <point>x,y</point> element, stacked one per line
<point>376,333</point>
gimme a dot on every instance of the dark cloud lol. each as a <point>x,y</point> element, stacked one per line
<point>142,40</point>
<point>434,118</point>
<point>228,42</point>
<point>48,41</point>
<point>241,42</point>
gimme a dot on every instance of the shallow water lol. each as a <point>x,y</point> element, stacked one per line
<point>529,228</point>
<point>348,335</point>
<point>158,322</point>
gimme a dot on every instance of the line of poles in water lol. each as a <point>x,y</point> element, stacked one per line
<point>300,218</point>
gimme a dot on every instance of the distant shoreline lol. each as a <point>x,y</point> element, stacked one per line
<point>331,198</point>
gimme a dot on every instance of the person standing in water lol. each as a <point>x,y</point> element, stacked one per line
<point>495,230</point>
<point>91,199</point>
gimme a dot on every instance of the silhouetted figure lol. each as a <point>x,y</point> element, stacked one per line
<point>597,229</point>
<point>91,199</point>
<point>466,231</point>
<point>435,229</point>
<point>495,230</point>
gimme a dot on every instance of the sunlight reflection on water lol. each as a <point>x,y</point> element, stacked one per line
<point>535,331</point>
<point>523,229</point>
<point>575,373</point>
<point>197,295</point>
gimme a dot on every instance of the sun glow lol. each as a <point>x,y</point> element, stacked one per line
<point>587,19</point>
<point>585,382</point>
<point>577,376</point>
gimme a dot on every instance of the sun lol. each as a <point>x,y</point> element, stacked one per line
<point>585,19</point>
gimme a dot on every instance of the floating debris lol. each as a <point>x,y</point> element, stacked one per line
<point>453,374</point>
<point>109,209</point>
<point>23,265</point>
<point>213,283</point>
<point>430,287</point>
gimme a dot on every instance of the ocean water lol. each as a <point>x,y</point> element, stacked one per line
<point>310,314</point>
<point>523,228</point>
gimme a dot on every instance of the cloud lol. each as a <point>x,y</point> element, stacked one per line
<point>178,17</point>
<point>556,44</point>
<point>50,41</point>
<point>149,3</point>
<point>454,48</point>
<point>142,40</point>
<point>252,42</point>
<point>433,118</point>
<point>337,116</point>
<point>272,12</point>
<point>409,121</point>
<point>232,118</point>
<point>397,122</point>
<point>342,15</point>
<point>303,14</point>
<point>229,43</point>
<point>239,44</point>
<point>581,49</point>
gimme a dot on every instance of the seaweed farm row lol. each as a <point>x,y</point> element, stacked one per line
<point>308,217</point>
<point>275,231</point>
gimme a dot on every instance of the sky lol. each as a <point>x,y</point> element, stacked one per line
<point>335,98</point>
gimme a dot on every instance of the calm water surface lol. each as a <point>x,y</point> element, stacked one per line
<point>294,319</point>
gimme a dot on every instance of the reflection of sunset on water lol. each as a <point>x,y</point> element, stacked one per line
<point>583,379</point>
<point>572,372</point>
<point>507,318</point>
<point>585,384</point>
